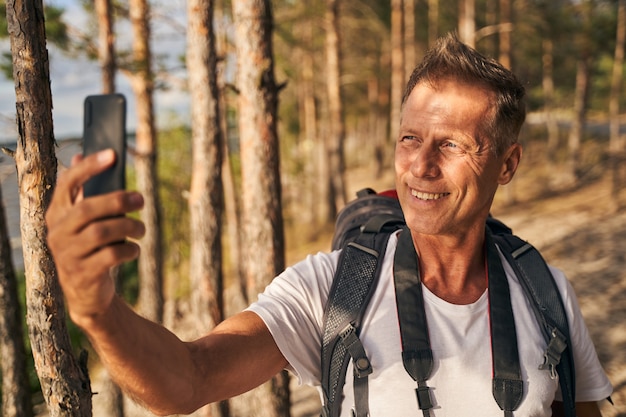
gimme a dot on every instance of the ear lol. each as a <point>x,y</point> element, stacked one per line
<point>510,162</point>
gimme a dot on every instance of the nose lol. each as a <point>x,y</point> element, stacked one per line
<point>426,162</point>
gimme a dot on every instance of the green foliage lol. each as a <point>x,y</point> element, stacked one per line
<point>56,33</point>
<point>174,171</point>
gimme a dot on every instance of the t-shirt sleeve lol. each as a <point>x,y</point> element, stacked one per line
<point>592,384</point>
<point>292,307</point>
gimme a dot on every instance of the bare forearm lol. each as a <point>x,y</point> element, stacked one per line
<point>149,363</point>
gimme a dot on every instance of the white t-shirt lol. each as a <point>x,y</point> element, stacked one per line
<point>292,307</point>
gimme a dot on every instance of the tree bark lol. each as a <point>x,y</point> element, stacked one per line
<point>110,391</point>
<point>64,380</point>
<point>552,126</point>
<point>433,21</point>
<point>336,138</point>
<point>583,69</point>
<point>106,45</point>
<point>150,300</point>
<point>616,143</point>
<point>410,60</point>
<point>264,250</point>
<point>397,68</point>
<point>15,388</point>
<point>505,35</point>
<point>467,22</point>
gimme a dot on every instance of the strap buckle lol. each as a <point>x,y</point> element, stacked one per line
<point>552,356</point>
<point>362,365</point>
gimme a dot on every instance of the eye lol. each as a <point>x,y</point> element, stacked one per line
<point>408,138</point>
<point>452,146</point>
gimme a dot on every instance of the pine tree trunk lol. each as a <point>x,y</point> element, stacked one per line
<point>583,69</point>
<point>410,60</point>
<point>106,44</point>
<point>548,93</point>
<point>109,391</point>
<point>15,388</point>
<point>433,21</point>
<point>206,195</point>
<point>397,68</point>
<point>262,217</point>
<point>238,301</point>
<point>616,143</point>
<point>467,22</point>
<point>336,139</point>
<point>150,301</point>
<point>64,380</point>
<point>505,55</point>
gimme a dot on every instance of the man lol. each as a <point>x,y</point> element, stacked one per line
<point>458,142</point>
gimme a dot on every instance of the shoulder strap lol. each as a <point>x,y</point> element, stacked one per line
<point>353,285</point>
<point>417,357</point>
<point>538,284</point>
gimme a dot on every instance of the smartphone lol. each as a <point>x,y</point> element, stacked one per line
<point>104,127</point>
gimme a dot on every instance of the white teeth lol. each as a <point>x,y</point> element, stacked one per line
<point>427,196</point>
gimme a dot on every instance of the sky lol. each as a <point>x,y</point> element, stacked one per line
<point>72,79</point>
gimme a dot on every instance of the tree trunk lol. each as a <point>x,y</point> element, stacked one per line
<point>505,35</point>
<point>433,21</point>
<point>552,126</point>
<point>206,196</point>
<point>336,138</point>
<point>64,380</point>
<point>110,391</point>
<point>150,300</point>
<point>397,68</point>
<point>410,60</point>
<point>264,255</point>
<point>15,388</point>
<point>307,99</point>
<point>616,144</point>
<point>467,22</point>
<point>106,45</point>
<point>232,210</point>
<point>583,69</point>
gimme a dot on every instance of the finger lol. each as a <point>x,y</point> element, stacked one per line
<point>94,236</point>
<point>98,264</point>
<point>73,219</point>
<point>70,182</point>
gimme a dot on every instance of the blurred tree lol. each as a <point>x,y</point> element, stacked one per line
<point>264,249</point>
<point>150,301</point>
<point>585,46</point>
<point>467,22</point>
<point>15,390</point>
<point>64,380</point>
<point>206,195</point>
<point>337,130</point>
<point>616,142</point>
<point>106,44</point>
<point>397,67</point>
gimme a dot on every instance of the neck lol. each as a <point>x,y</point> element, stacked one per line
<point>453,268</point>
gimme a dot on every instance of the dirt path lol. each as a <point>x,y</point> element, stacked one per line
<point>583,235</point>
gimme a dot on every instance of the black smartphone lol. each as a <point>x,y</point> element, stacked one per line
<point>104,127</point>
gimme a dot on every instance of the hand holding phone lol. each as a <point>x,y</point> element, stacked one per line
<point>104,127</point>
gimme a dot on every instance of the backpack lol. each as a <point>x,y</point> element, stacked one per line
<point>363,228</point>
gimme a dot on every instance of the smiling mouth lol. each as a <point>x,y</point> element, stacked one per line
<point>428,196</point>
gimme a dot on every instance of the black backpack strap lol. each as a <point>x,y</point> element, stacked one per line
<point>417,356</point>
<point>538,284</point>
<point>353,285</point>
<point>507,384</point>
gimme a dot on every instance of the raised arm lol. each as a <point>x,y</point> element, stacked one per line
<point>87,237</point>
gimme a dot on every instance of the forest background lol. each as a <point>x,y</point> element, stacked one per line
<point>332,76</point>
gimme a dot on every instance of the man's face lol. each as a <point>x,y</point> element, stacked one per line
<point>446,170</point>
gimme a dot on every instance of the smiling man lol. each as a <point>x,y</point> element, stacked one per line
<point>461,117</point>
